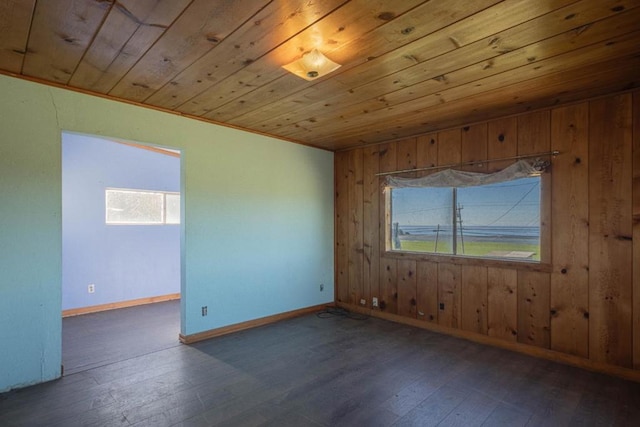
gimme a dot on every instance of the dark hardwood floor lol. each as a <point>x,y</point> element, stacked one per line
<point>313,371</point>
<point>99,339</point>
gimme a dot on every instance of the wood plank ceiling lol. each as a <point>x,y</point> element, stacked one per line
<point>408,66</point>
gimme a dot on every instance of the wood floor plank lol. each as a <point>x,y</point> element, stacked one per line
<point>507,415</point>
<point>435,408</point>
<point>474,410</point>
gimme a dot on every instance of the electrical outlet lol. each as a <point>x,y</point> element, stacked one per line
<point>204,310</point>
<point>91,288</point>
<point>363,301</point>
<point>374,301</point>
<point>321,287</point>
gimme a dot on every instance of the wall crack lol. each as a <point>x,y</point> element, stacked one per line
<point>55,107</point>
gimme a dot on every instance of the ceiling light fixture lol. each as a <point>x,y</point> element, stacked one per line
<point>312,65</point>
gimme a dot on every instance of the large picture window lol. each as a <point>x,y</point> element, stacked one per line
<point>141,207</point>
<point>499,219</point>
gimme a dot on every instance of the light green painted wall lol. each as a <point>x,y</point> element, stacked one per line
<point>258,226</point>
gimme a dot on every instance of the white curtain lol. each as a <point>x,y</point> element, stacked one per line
<point>456,178</point>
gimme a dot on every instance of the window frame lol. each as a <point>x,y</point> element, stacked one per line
<point>164,194</point>
<point>543,265</point>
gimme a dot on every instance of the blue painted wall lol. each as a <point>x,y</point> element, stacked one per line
<point>125,262</point>
<point>257,236</point>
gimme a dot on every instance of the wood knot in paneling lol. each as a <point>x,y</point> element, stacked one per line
<point>386,16</point>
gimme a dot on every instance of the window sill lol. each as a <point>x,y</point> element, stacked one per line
<point>467,260</point>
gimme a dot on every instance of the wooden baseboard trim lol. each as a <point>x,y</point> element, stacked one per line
<point>116,305</point>
<point>543,353</point>
<point>212,333</point>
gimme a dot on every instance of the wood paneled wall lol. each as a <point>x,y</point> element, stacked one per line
<point>583,301</point>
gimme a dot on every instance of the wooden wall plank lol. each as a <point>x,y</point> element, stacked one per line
<point>533,308</point>
<point>388,285</point>
<point>371,223</point>
<point>534,132</point>
<point>636,230</point>
<point>449,295</point>
<point>406,154</point>
<point>474,147</point>
<point>570,213</point>
<point>427,151</point>
<point>427,291</point>
<point>502,141</point>
<point>57,43</point>
<point>15,21</point>
<point>407,288</point>
<point>388,266</point>
<point>474,296</point>
<point>449,145</point>
<point>342,226</point>
<point>355,219</point>
<point>610,246</point>
<point>502,303</point>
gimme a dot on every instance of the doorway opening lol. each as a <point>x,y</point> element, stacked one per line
<point>121,250</point>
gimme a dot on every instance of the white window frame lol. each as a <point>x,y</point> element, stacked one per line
<point>163,213</point>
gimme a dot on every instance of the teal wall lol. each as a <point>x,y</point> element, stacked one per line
<point>257,231</point>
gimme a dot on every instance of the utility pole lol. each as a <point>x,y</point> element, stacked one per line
<point>459,215</point>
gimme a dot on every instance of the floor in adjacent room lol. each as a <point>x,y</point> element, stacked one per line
<point>99,339</point>
<point>313,371</point>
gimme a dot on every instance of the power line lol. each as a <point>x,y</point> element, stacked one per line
<point>515,205</point>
